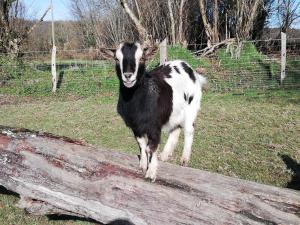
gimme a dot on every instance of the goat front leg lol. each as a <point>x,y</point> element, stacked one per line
<point>143,141</point>
<point>153,159</point>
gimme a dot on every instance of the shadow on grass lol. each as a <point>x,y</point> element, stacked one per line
<point>293,165</point>
<point>4,191</point>
<point>60,79</point>
<point>72,218</point>
<point>120,222</point>
<point>75,218</point>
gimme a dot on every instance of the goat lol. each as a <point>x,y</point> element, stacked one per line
<point>166,98</point>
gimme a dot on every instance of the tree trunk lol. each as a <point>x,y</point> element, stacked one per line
<point>212,32</point>
<point>141,29</point>
<point>246,14</point>
<point>216,22</point>
<point>249,24</point>
<point>180,26</point>
<point>54,175</point>
<point>173,35</point>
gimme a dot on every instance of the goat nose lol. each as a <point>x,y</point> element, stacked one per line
<point>127,75</point>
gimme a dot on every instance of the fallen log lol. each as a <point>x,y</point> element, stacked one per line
<point>57,175</point>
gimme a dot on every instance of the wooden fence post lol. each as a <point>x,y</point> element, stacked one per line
<point>53,69</point>
<point>163,51</point>
<point>53,58</point>
<point>283,57</point>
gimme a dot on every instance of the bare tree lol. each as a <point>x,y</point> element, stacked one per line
<point>180,27</point>
<point>246,13</point>
<point>211,27</point>
<point>141,29</point>
<point>288,11</point>
<point>173,35</point>
<point>14,29</point>
<point>9,9</point>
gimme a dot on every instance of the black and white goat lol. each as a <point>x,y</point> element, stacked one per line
<point>166,98</point>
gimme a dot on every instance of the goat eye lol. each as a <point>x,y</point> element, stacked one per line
<point>117,60</point>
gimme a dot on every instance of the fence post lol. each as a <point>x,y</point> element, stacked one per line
<point>53,58</point>
<point>53,69</point>
<point>283,57</point>
<point>163,51</point>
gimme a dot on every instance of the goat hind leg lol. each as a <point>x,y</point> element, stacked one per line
<point>188,141</point>
<point>170,145</point>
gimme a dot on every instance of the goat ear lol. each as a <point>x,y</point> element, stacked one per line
<point>149,52</point>
<point>107,53</point>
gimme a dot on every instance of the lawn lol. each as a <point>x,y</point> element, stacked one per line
<point>249,134</point>
<point>240,135</point>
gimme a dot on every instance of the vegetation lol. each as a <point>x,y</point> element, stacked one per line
<point>83,78</point>
<point>247,133</point>
<point>244,134</point>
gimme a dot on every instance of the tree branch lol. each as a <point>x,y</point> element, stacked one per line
<point>141,30</point>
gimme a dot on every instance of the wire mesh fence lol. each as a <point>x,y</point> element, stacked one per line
<point>82,72</point>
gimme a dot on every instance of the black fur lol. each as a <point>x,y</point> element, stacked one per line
<point>185,97</point>
<point>189,71</point>
<point>147,106</point>
<point>176,68</point>
<point>128,51</point>
<point>191,99</point>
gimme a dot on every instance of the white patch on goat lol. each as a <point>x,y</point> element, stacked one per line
<point>170,145</point>
<point>152,168</point>
<point>119,56</point>
<point>138,55</point>
<point>143,141</point>
<point>183,113</point>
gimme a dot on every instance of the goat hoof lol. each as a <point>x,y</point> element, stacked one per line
<point>184,162</point>
<point>143,168</point>
<point>143,165</point>
<point>150,174</point>
<point>163,157</point>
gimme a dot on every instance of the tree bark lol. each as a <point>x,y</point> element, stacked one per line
<point>246,13</point>
<point>180,26</point>
<point>173,35</point>
<point>141,29</point>
<point>216,22</point>
<point>249,24</point>
<point>212,32</point>
<point>55,174</point>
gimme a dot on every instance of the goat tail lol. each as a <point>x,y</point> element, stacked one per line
<point>202,81</point>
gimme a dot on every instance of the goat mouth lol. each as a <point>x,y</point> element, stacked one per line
<point>129,84</point>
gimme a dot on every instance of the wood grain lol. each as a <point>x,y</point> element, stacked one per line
<point>58,175</point>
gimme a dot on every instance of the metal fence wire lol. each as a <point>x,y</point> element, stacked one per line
<point>257,66</point>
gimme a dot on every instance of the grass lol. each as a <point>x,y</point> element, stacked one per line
<point>86,78</point>
<point>234,133</point>
<point>241,134</point>
<point>252,70</point>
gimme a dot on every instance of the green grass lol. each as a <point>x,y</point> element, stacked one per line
<point>237,134</point>
<point>87,78</point>
<point>252,70</point>
<point>241,134</point>
<point>10,214</point>
<point>234,131</point>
